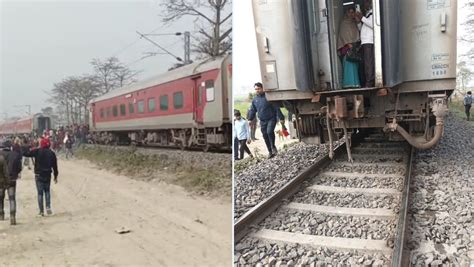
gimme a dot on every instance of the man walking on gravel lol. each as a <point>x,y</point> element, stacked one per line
<point>268,113</point>
<point>45,163</point>
<point>242,132</point>
<point>468,104</point>
<point>10,168</point>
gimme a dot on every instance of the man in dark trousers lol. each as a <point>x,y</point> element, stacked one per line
<point>10,168</point>
<point>268,113</point>
<point>367,41</point>
<point>242,132</point>
<point>467,104</point>
<point>45,163</point>
<point>253,126</point>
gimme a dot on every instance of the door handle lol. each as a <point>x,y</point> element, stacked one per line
<point>444,18</point>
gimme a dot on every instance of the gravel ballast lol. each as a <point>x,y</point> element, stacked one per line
<point>264,178</point>
<point>442,197</point>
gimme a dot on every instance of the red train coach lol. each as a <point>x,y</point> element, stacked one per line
<point>36,123</point>
<point>186,107</point>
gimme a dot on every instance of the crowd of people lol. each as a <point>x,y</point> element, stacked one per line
<point>16,151</point>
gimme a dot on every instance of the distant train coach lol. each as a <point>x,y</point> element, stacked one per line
<point>37,123</point>
<point>187,107</point>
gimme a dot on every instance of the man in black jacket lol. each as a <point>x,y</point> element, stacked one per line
<point>268,113</point>
<point>45,163</point>
<point>10,164</point>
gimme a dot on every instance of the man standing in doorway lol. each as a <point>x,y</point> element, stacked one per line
<point>268,113</point>
<point>467,104</point>
<point>367,41</point>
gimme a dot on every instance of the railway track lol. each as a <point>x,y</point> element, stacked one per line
<point>334,212</point>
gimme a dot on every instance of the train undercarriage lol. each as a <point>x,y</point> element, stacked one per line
<point>417,117</point>
<point>215,138</point>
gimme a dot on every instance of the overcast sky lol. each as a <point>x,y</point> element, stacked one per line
<point>43,42</point>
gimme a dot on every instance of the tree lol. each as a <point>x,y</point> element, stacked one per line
<point>468,27</point>
<point>213,18</point>
<point>111,74</point>
<point>464,76</point>
<point>251,96</point>
<point>47,111</point>
<point>73,95</point>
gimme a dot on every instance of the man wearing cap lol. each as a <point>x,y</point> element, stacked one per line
<point>268,114</point>
<point>45,163</point>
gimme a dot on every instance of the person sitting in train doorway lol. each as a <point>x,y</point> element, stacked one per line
<point>268,113</point>
<point>348,43</point>
<point>467,104</point>
<point>45,164</point>
<point>367,41</point>
<point>10,168</point>
<point>242,133</point>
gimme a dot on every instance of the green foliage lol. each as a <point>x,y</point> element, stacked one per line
<point>132,163</point>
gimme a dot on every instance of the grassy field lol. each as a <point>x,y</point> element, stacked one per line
<point>457,108</point>
<point>129,162</point>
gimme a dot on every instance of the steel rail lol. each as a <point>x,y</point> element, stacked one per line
<point>267,206</point>
<point>398,250</point>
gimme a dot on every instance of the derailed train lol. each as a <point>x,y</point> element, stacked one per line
<point>188,107</point>
<point>415,67</point>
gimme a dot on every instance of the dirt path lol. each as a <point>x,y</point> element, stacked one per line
<point>169,227</point>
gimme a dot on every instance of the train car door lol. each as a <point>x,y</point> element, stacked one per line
<point>335,12</point>
<point>198,103</point>
<point>92,115</point>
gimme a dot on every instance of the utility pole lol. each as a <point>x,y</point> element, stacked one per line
<point>187,48</point>
<point>187,44</point>
<point>159,46</point>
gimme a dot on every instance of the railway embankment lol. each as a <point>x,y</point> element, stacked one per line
<point>198,172</point>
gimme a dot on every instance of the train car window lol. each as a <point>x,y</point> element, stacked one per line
<point>108,112</point>
<point>178,100</point>
<point>141,106</point>
<point>102,113</point>
<point>123,110</point>
<point>115,111</point>
<point>210,90</point>
<point>131,108</point>
<point>164,102</point>
<point>151,104</point>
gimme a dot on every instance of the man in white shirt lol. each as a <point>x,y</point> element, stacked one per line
<point>367,41</point>
<point>242,133</point>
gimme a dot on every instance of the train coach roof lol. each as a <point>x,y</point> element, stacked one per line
<point>181,72</point>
